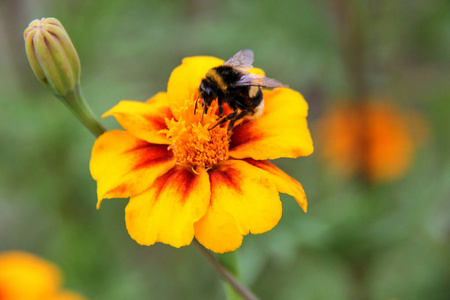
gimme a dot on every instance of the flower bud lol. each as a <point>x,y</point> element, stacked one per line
<point>52,55</point>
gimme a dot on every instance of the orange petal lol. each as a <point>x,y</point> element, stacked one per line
<point>285,183</point>
<point>144,120</point>
<point>185,80</point>
<point>125,166</point>
<point>281,131</point>
<point>167,211</point>
<point>243,199</point>
<point>24,276</point>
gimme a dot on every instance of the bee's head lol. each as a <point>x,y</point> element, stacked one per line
<point>207,91</point>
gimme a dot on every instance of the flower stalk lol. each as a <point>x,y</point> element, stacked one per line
<point>75,102</point>
<point>229,261</point>
<point>235,289</point>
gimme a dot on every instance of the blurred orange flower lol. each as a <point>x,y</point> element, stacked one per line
<point>187,181</point>
<point>375,139</point>
<point>24,276</point>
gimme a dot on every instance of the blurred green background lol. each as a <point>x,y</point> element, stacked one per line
<point>384,241</point>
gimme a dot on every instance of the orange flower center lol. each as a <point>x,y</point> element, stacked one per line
<point>192,142</point>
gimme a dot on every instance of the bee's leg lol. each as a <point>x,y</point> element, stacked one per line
<point>219,102</point>
<point>195,106</point>
<point>226,118</point>
<point>205,109</point>
<point>237,118</point>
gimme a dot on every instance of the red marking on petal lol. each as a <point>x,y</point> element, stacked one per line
<point>229,177</point>
<point>158,121</point>
<point>150,154</point>
<point>180,179</point>
<point>263,182</point>
<point>118,190</point>
<point>243,134</point>
<point>253,162</point>
<point>188,178</point>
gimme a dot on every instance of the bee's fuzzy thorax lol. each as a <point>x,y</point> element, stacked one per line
<point>212,74</point>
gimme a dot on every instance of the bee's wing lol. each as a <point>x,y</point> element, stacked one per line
<point>242,60</point>
<point>258,80</point>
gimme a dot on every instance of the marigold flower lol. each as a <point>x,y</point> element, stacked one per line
<point>52,55</point>
<point>24,276</point>
<point>188,181</point>
<point>374,139</point>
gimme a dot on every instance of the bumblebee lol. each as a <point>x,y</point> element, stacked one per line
<point>231,83</point>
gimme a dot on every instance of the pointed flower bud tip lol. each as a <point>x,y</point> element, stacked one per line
<point>52,55</point>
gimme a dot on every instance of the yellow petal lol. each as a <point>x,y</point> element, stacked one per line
<point>218,231</point>
<point>243,199</point>
<point>144,120</point>
<point>281,131</point>
<point>285,183</point>
<point>125,166</point>
<point>167,211</point>
<point>185,80</point>
<point>257,71</point>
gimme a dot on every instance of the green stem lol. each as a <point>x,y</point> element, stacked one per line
<point>235,290</point>
<point>229,261</point>
<point>75,101</point>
